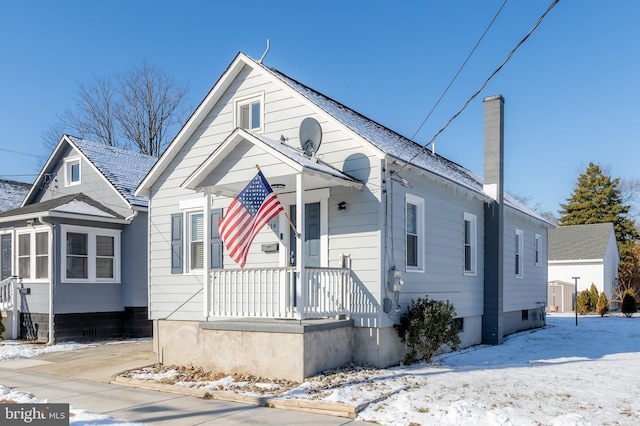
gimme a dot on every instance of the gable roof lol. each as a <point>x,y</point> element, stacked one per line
<point>378,138</point>
<point>580,242</point>
<point>284,153</point>
<point>121,168</point>
<point>12,193</point>
<point>66,206</point>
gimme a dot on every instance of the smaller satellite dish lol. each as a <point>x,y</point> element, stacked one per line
<point>310,136</point>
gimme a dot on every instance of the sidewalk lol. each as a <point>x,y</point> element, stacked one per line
<point>81,378</point>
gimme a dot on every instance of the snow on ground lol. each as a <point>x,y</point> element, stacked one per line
<point>12,349</point>
<point>562,375</point>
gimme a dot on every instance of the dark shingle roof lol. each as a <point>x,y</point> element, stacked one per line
<point>12,193</point>
<point>579,241</point>
<point>123,168</point>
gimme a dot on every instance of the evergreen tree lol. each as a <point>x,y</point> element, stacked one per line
<point>602,308</point>
<point>597,199</point>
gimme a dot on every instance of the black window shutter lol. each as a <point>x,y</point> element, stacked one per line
<point>176,244</point>
<point>216,241</point>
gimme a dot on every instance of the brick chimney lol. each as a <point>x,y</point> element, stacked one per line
<point>492,319</point>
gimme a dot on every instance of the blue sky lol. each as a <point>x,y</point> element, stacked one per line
<point>572,94</point>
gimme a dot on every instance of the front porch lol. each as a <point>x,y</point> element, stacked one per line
<point>276,293</point>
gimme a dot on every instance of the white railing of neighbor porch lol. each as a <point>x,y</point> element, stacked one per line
<point>271,293</point>
<point>9,301</point>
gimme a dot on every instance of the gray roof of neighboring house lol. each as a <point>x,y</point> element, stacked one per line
<point>578,242</point>
<point>74,203</point>
<point>12,193</point>
<point>124,169</point>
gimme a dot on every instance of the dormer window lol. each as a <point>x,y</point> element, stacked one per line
<point>249,113</point>
<point>72,171</point>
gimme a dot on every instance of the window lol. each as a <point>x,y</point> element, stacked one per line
<point>105,256</point>
<point>33,255</point>
<point>196,241</point>
<point>518,252</point>
<point>525,315</point>
<point>77,255</point>
<point>538,245</point>
<point>459,323</point>
<point>249,113</point>
<point>414,216</point>
<point>91,254</point>
<point>194,232</point>
<point>72,171</point>
<point>469,244</point>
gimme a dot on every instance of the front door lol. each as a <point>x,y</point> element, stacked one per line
<point>5,257</point>
<point>311,235</point>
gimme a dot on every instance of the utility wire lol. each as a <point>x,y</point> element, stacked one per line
<point>21,153</point>
<point>553,4</point>
<point>459,70</point>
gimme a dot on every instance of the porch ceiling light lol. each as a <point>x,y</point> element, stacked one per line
<point>275,186</point>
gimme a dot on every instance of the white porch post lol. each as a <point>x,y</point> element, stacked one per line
<point>301,288</point>
<point>14,302</point>
<point>206,249</point>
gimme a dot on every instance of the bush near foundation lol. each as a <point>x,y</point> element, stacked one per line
<point>426,327</point>
<point>628,307</point>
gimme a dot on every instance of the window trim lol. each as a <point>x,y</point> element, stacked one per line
<point>92,233</point>
<point>33,256</point>
<point>248,100</point>
<point>537,250</point>
<point>420,243</point>
<point>472,219</point>
<point>68,167</point>
<point>519,253</point>
<point>188,264</point>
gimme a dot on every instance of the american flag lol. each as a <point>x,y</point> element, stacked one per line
<point>253,208</point>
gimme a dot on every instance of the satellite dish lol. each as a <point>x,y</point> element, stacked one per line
<point>310,136</point>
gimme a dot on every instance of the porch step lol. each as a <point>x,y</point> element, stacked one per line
<point>276,325</point>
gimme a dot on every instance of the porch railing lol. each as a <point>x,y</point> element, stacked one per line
<point>273,293</point>
<point>9,301</point>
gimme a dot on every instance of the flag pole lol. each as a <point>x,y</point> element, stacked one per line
<point>293,227</point>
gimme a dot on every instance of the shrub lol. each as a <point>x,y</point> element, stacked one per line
<point>602,307</point>
<point>629,303</point>
<point>426,327</point>
<point>2,328</point>
<point>588,300</point>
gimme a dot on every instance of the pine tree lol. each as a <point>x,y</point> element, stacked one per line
<point>597,199</point>
<point>602,308</point>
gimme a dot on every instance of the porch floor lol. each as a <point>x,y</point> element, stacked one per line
<point>272,325</point>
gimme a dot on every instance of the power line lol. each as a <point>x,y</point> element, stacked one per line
<point>459,70</point>
<point>21,153</point>
<point>553,4</point>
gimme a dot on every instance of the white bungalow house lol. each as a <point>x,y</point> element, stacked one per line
<point>589,252</point>
<point>380,222</point>
<point>74,258</point>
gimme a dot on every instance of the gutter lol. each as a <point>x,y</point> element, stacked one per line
<point>52,277</point>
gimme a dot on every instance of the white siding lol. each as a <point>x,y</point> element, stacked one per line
<point>529,291</point>
<point>282,116</point>
<point>444,277</point>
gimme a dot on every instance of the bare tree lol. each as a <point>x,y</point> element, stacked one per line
<point>149,101</point>
<point>134,109</point>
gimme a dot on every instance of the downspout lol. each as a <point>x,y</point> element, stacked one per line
<point>132,216</point>
<point>52,277</point>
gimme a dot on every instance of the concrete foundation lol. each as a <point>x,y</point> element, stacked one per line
<point>281,349</point>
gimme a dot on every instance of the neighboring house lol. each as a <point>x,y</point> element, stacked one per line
<point>11,194</point>
<point>586,251</point>
<point>77,247</point>
<point>384,222</point>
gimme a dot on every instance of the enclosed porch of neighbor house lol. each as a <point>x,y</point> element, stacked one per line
<point>306,303</point>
